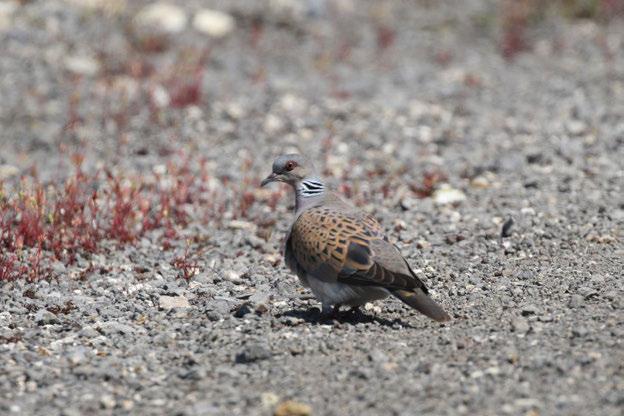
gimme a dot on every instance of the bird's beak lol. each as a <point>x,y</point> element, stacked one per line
<point>271,178</point>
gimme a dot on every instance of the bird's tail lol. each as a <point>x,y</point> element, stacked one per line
<point>419,300</point>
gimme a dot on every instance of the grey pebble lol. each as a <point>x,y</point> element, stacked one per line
<point>520,326</point>
<point>242,310</point>
<point>252,353</point>
<point>115,328</point>
<point>45,317</point>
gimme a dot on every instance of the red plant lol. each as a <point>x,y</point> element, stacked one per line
<point>515,18</point>
<point>428,185</point>
<point>122,199</point>
<point>385,37</point>
<point>35,269</point>
<point>10,269</point>
<point>39,224</point>
<point>186,265</point>
<point>247,199</point>
<point>187,90</point>
<point>257,31</point>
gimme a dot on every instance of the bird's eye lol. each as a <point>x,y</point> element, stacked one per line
<point>290,165</point>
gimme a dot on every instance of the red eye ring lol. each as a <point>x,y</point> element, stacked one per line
<point>290,165</point>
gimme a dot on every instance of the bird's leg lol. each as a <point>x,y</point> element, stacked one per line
<point>355,310</point>
<point>356,313</point>
<point>330,312</point>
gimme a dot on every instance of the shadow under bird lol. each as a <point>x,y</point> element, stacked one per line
<point>339,251</point>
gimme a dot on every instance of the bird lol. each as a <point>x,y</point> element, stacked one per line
<point>340,252</point>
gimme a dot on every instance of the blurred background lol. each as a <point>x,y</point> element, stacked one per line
<point>126,82</point>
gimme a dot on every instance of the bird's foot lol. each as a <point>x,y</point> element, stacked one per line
<point>355,313</point>
<point>329,312</point>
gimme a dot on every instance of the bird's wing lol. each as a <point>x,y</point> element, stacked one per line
<point>347,246</point>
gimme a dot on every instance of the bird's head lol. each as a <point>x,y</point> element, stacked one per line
<point>291,169</point>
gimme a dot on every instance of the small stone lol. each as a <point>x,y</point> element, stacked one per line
<point>520,326</point>
<point>579,331</point>
<point>480,182</point>
<point>162,16</point>
<point>222,306</point>
<point>408,203</point>
<point>115,328</point>
<point>242,225</point>
<point>506,229</point>
<point>371,307</point>
<point>389,366</point>
<point>576,127</point>
<point>107,401</point>
<point>399,225</point>
<point>242,310</point>
<point>252,353</point>
<point>529,310</point>
<point>601,239</point>
<point>213,316</point>
<point>447,195</point>
<point>273,259</point>
<point>213,23</point>
<point>261,309</point>
<point>82,65</point>
<point>88,332</point>
<point>423,244</point>
<point>161,96</point>
<point>535,158</point>
<point>254,241</point>
<point>290,320</point>
<point>261,297</point>
<point>170,302</point>
<point>77,356</point>
<point>587,292</point>
<point>292,408</point>
<point>576,301</point>
<point>45,317</point>
<point>378,356</point>
<point>234,276</point>
<point>272,124</point>
<point>269,399</point>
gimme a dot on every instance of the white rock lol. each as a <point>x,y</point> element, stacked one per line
<point>160,96</point>
<point>6,171</point>
<point>576,127</point>
<point>234,276</point>
<point>480,182</point>
<point>448,195</point>
<point>293,103</point>
<point>213,23</point>
<point>242,225</point>
<point>170,302</point>
<point>163,16</point>
<point>269,399</point>
<point>371,307</point>
<point>82,65</point>
<point>272,123</point>
<point>107,401</point>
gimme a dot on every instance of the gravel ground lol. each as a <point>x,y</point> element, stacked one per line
<point>379,94</point>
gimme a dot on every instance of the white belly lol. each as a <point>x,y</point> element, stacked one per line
<point>343,294</point>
